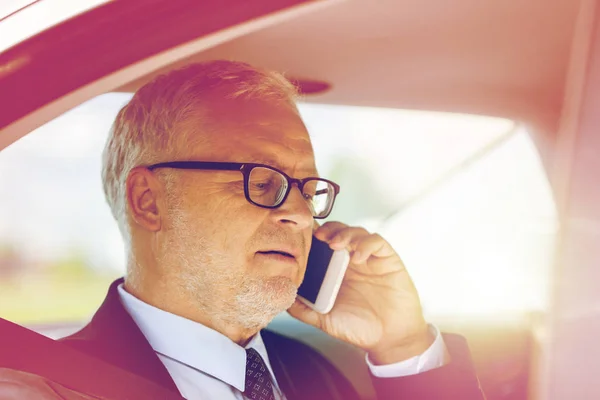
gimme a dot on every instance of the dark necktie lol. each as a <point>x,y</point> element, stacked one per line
<point>258,379</point>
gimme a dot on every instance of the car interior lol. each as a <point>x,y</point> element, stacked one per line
<point>486,111</point>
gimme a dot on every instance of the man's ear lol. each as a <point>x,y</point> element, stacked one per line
<point>144,198</point>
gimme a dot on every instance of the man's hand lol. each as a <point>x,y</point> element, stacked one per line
<point>377,308</point>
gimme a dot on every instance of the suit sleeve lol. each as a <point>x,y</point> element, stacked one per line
<point>455,380</point>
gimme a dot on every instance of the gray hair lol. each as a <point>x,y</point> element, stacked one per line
<point>150,128</point>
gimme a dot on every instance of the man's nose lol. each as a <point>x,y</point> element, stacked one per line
<point>295,210</point>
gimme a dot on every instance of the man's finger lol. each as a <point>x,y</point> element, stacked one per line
<point>326,231</point>
<point>348,238</point>
<point>372,245</point>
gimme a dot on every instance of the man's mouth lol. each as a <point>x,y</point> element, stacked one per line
<point>277,252</point>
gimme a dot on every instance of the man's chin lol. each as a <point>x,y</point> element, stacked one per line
<point>280,292</point>
<point>260,302</point>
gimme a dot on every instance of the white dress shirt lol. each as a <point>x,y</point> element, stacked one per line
<point>204,364</point>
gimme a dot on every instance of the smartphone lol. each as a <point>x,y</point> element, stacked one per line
<point>323,277</point>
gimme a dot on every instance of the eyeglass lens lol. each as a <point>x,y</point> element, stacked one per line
<point>268,187</point>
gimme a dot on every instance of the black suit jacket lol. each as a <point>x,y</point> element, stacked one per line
<point>301,372</point>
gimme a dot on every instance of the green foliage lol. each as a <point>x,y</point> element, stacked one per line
<point>66,289</point>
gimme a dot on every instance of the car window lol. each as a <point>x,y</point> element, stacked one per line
<point>463,199</point>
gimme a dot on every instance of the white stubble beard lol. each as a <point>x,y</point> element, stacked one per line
<point>224,294</point>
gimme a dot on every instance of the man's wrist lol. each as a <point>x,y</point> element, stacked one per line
<point>398,352</point>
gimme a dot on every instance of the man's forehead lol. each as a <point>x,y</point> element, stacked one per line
<point>262,151</point>
<point>271,134</point>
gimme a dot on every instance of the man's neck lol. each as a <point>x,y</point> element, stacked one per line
<point>179,305</point>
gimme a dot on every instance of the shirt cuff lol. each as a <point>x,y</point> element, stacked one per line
<point>434,357</point>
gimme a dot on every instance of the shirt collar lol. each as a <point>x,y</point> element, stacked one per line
<point>192,343</point>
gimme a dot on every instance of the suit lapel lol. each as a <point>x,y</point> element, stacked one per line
<point>114,337</point>
<point>302,373</point>
<point>283,374</point>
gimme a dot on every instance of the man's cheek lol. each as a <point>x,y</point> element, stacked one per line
<point>308,235</point>
<point>301,272</point>
<point>315,226</point>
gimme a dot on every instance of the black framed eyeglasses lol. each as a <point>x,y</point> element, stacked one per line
<point>268,187</point>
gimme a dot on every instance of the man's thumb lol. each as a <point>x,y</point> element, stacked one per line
<point>304,313</point>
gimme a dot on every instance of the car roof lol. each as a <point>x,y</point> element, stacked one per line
<point>504,58</point>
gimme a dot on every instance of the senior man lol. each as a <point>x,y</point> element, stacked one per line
<point>215,251</point>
